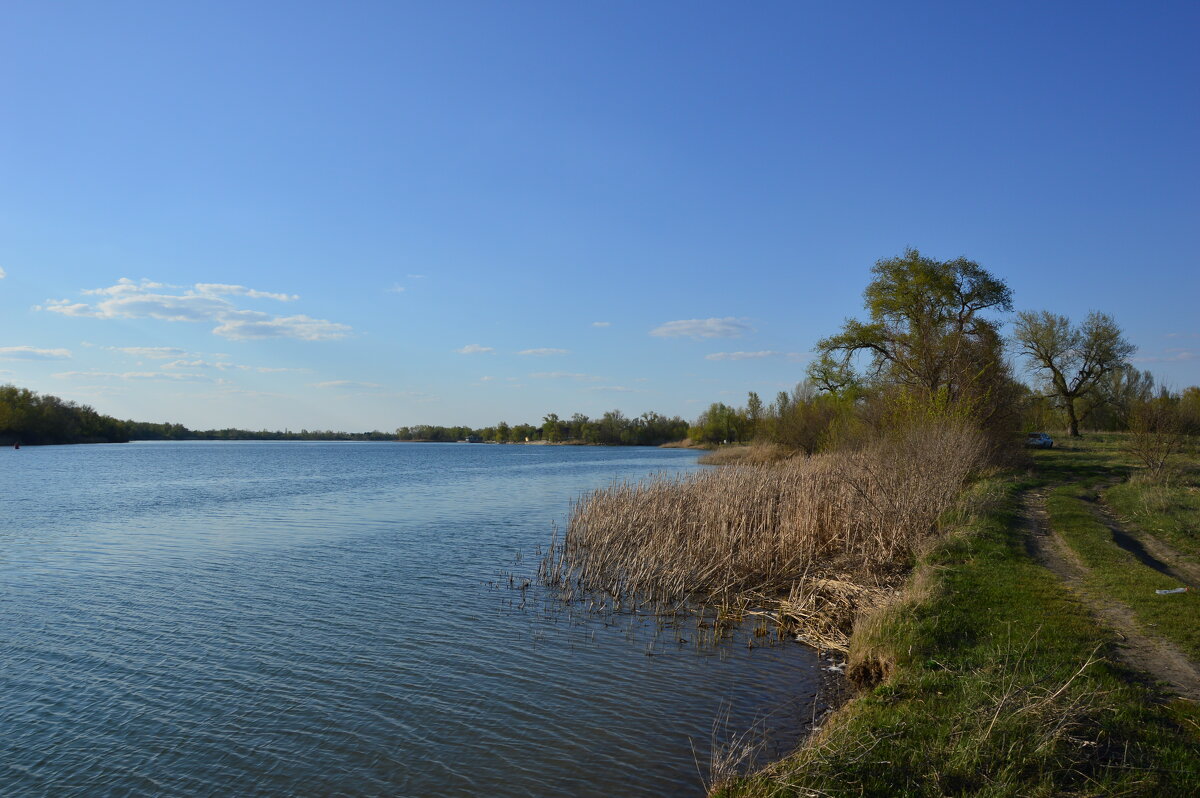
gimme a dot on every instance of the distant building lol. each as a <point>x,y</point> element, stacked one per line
<point>473,439</point>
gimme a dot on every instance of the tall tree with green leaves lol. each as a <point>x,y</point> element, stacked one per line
<point>1072,360</point>
<point>926,331</point>
<point>754,414</point>
<point>551,427</point>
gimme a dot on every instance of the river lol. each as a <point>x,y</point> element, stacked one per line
<point>293,618</point>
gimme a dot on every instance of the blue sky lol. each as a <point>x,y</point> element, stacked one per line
<point>367,215</point>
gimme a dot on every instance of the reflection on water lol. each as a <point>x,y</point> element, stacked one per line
<point>333,618</point>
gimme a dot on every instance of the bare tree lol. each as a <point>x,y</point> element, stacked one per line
<point>1158,431</point>
<point>1071,359</point>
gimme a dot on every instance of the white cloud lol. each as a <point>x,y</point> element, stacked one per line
<point>345,384</point>
<point>3,274</point>
<point>740,355</point>
<point>728,327</point>
<point>614,389</point>
<point>247,324</point>
<point>565,375</point>
<point>151,352</point>
<point>269,369</point>
<point>32,353</point>
<point>602,324</point>
<point>475,349</point>
<point>397,288</point>
<point>204,302</point>
<point>542,352</point>
<point>173,376</point>
<point>415,276</point>
<point>1171,355</point>
<point>195,364</point>
<point>165,375</point>
<point>222,289</point>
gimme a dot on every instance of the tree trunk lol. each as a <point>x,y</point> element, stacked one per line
<point>1072,421</point>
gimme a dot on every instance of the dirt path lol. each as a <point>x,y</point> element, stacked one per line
<point>1140,651</point>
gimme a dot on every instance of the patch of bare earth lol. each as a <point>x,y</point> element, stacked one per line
<point>1137,649</point>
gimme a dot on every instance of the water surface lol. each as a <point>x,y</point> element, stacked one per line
<point>294,618</point>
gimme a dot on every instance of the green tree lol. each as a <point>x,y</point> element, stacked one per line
<point>754,414</point>
<point>1072,360</point>
<point>926,329</point>
<point>551,427</point>
<point>1189,409</point>
<point>719,424</point>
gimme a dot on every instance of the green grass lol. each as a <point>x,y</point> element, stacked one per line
<point>1116,573</point>
<point>1000,684</point>
<point>1170,512</point>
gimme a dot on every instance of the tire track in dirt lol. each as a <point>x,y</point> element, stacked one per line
<point>1138,650</point>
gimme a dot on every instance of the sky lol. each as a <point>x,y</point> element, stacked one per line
<point>366,215</point>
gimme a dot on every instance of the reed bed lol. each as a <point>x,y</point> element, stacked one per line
<point>751,454</point>
<point>809,542</point>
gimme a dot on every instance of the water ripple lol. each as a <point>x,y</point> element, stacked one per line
<point>316,619</point>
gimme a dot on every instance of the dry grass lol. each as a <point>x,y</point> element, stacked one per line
<point>752,454</point>
<point>814,541</point>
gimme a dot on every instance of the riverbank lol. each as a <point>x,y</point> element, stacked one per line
<point>997,673</point>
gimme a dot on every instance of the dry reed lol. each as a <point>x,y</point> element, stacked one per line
<point>752,454</point>
<point>812,541</point>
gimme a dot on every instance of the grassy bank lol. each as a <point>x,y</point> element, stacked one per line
<point>989,676</point>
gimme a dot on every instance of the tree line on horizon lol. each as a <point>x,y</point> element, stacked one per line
<point>30,418</point>
<point>613,428</point>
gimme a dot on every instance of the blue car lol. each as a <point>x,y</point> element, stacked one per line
<point>1039,440</point>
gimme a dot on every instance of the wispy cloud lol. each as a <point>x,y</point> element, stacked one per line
<point>565,375</point>
<point>203,302</point>
<point>741,355</point>
<point>150,352</point>
<point>602,324</point>
<point>222,289</point>
<point>270,369</point>
<point>728,327</point>
<point>3,274</point>
<point>345,384</point>
<point>613,389</point>
<point>475,349</point>
<point>166,376</point>
<point>32,353</point>
<point>397,289</point>
<point>246,324</point>
<point>1171,355</point>
<point>197,364</point>
<point>544,351</point>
